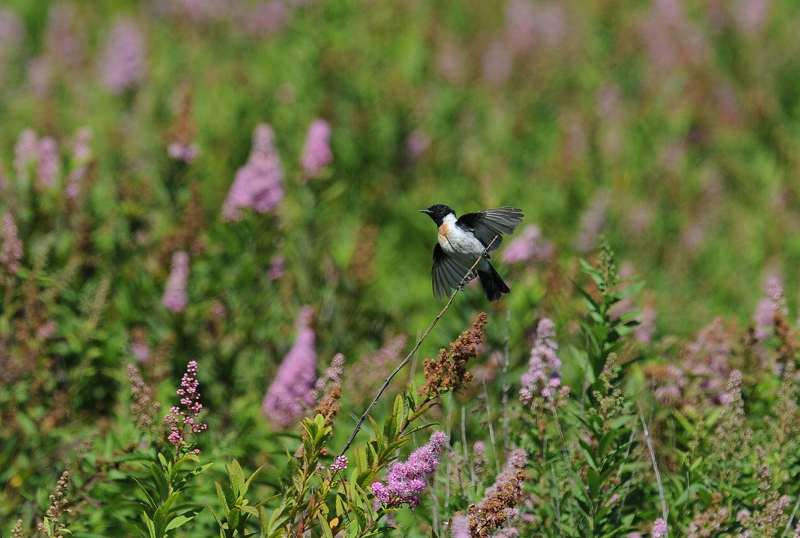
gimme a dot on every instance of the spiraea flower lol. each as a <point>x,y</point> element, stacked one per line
<point>81,157</point>
<point>12,33</point>
<point>11,247</point>
<point>26,153</point>
<point>64,43</point>
<point>183,419</point>
<point>448,371</point>
<point>175,297</point>
<point>124,62</point>
<point>417,144</point>
<point>328,389</point>
<point>49,163</point>
<point>292,391</point>
<point>460,527</point>
<point>647,325</point>
<point>259,183</point>
<point>144,407</point>
<point>530,246</point>
<point>182,151</point>
<point>500,500</point>
<point>339,464</point>
<point>277,266</point>
<point>659,529</point>
<point>181,146</point>
<point>317,150</point>
<point>266,17</point>
<point>543,378</point>
<point>59,502</point>
<point>768,308</point>
<point>407,480</point>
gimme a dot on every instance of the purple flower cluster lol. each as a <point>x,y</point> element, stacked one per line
<point>750,15</point>
<point>460,527</point>
<point>517,460</point>
<point>647,325</point>
<point>11,248</point>
<point>123,65</point>
<point>258,184</point>
<point>292,391</point>
<point>181,151</point>
<point>317,150</point>
<point>543,377</point>
<point>183,419</point>
<point>530,246</point>
<point>12,32</point>
<point>407,480</point>
<point>277,266</point>
<point>175,297</point>
<point>64,43</point>
<point>339,464</point>
<point>333,375</point>
<point>49,163</point>
<point>266,18</point>
<point>417,143</point>
<point>196,11</point>
<point>26,153</point>
<point>659,529</point>
<point>81,156</point>
<point>768,307</point>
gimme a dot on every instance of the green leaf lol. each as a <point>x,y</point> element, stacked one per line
<point>178,522</point>
<point>236,477</point>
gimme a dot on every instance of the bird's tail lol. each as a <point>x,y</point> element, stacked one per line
<point>492,284</point>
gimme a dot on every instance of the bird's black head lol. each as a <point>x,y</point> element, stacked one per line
<point>438,212</point>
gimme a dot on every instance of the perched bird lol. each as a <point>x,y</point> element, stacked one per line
<point>463,240</point>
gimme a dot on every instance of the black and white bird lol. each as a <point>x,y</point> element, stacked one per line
<point>462,240</point>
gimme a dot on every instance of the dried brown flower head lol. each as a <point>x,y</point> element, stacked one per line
<point>143,407</point>
<point>448,371</point>
<point>499,503</point>
<point>58,507</point>
<point>329,389</point>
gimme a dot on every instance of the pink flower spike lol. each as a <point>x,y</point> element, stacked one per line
<point>292,391</point>
<point>317,151</point>
<point>175,297</point>
<point>407,480</point>
<point>258,184</point>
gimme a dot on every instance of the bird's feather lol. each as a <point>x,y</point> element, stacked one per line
<point>490,223</point>
<point>447,272</point>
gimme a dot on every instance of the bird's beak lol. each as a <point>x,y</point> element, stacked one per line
<point>426,211</point>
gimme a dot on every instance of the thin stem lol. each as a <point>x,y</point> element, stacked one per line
<point>791,518</point>
<point>661,497</point>
<point>491,428</point>
<point>416,347</point>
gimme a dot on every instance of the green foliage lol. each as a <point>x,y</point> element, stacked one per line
<point>163,499</point>
<point>671,128</point>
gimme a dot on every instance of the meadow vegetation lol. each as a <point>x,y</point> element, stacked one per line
<point>211,262</point>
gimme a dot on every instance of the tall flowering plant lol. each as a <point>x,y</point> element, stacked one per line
<point>169,474</point>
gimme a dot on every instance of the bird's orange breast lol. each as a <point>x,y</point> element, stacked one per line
<point>444,230</point>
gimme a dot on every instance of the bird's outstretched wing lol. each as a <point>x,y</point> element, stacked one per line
<point>447,272</point>
<point>491,222</point>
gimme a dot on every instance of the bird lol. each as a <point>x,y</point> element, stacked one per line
<point>461,241</point>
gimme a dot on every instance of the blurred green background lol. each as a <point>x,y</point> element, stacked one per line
<point>671,127</point>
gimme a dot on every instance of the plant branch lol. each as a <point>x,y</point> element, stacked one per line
<point>416,347</point>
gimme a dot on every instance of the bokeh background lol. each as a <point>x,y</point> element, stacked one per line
<point>670,127</point>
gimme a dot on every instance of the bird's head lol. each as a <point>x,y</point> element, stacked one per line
<point>438,212</point>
